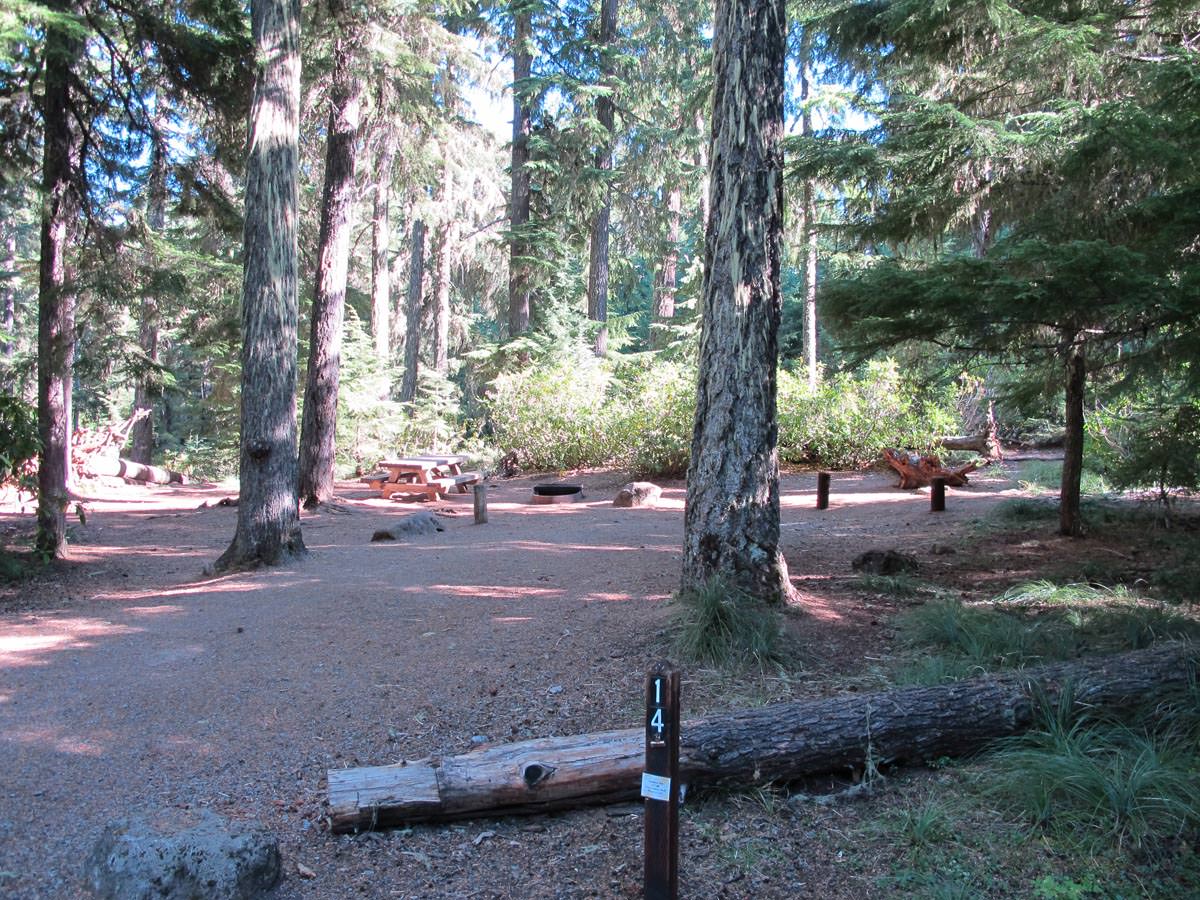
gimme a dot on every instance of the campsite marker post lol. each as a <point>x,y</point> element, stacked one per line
<point>823,479</point>
<point>660,783</point>
<point>937,495</point>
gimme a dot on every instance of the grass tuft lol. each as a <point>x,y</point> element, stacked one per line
<point>721,626</point>
<point>1097,783</point>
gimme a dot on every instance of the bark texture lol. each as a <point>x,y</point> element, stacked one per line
<point>412,314</point>
<point>731,524</point>
<point>268,525</point>
<point>519,286</point>
<point>141,438</point>
<point>56,301</point>
<point>598,252</point>
<point>1070,518</point>
<point>808,221</point>
<point>8,319</point>
<point>781,742</point>
<point>447,235</point>
<point>318,431</point>
<point>668,274</point>
<point>381,238</point>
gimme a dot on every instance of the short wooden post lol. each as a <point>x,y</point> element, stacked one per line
<point>481,504</point>
<point>823,479</point>
<point>937,495</point>
<point>660,783</point>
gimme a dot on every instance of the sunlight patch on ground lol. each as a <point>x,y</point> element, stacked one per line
<point>28,644</point>
<point>75,745</point>
<point>817,607</point>
<point>160,610</point>
<point>493,591</point>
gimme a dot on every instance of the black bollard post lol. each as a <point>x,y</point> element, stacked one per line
<point>660,783</point>
<point>937,495</point>
<point>823,479</point>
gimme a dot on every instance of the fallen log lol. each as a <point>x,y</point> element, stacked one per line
<point>781,742</point>
<point>134,471</point>
<point>919,471</point>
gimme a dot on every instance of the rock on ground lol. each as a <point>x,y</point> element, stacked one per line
<point>638,493</point>
<point>885,562</point>
<point>423,522</point>
<point>137,860</point>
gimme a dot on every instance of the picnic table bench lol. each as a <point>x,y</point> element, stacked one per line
<point>426,477</point>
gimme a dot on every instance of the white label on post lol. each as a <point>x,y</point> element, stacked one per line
<point>656,787</point>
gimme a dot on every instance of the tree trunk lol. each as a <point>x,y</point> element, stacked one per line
<point>318,432</point>
<point>779,743</point>
<point>1070,521</point>
<point>141,438</point>
<point>598,264</point>
<point>443,250</point>
<point>701,161</point>
<point>412,314</point>
<point>808,221</point>
<point>381,237</point>
<point>56,300</point>
<point>731,523</point>
<point>519,287</point>
<point>668,276</point>
<point>8,324</point>
<point>268,525</point>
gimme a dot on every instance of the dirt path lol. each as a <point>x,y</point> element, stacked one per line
<point>131,683</point>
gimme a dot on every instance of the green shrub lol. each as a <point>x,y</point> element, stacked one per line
<point>846,421</point>
<point>556,415</point>
<point>19,441</point>
<point>721,626</point>
<point>656,422</point>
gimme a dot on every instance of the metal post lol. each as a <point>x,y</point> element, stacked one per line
<point>660,783</point>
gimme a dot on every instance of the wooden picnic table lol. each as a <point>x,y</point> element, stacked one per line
<point>428,476</point>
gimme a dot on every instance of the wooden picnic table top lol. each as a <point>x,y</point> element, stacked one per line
<point>424,461</point>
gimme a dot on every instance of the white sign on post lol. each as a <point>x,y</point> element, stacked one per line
<point>656,787</point>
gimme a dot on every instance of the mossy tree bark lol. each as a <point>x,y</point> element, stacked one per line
<point>519,287</point>
<point>319,426</point>
<point>56,301</point>
<point>731,526</point>
<point>268,525</point>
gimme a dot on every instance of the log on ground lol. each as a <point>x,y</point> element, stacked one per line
<point>776,743</point>
<point>132,471</point>
<point>919,471</point>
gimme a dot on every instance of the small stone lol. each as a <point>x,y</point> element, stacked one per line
<point>885,562</point>
<point>555,689</point>
<point>638,493</point>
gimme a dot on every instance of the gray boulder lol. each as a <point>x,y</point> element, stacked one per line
<point>638,493</point>
<point>414,525</point>
<point>182,859</point>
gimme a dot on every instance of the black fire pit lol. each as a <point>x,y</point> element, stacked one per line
<point>557,493</point>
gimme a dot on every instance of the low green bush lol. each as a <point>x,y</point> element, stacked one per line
<point>846,421</point>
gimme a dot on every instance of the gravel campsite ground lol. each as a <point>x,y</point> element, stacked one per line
<point>132,683</point>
